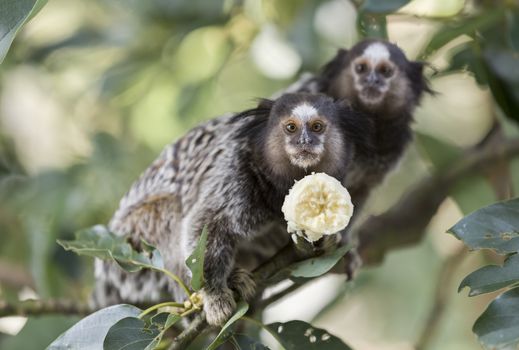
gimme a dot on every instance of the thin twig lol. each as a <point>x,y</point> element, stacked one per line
<point>278,296</point>
<point>403,224</point>
<point>44,307</point>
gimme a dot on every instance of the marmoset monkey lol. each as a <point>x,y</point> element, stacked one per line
<point>230,175</point>
<point>381,83</point>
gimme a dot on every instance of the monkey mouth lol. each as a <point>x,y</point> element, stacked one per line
<point>305,158</point>
<point>371,95</point>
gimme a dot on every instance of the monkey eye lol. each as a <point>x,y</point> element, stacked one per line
<point>361,67</point>
<point>385,70</point>
<point>317,127</point>
<point>291,127</point>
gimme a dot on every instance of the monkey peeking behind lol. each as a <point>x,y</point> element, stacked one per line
<point>235,184</point>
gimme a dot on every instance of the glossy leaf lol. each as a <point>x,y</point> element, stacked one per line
<point>134,333</point>
<point>195,261</point>
<point>90,332</point>
<point>295,335</point>
<point>466,58</point>
<point>494,227</point>
<point>383,6</point>
<point>13,15</point>
<point>99,242</point>
<point>170,320</point>
<point>504,79</point>
<point>498,326</point>
<point>318,266</point>
<point>225,333</point>
<point>312,267</point>
<point>130,333</point>
<point>493,277</point>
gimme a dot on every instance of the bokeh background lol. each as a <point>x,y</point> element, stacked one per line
<point>91,91</point>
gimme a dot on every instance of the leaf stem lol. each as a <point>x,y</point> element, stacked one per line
<point>190,311</point>
<point>176,279</point>
<point>158,306</point>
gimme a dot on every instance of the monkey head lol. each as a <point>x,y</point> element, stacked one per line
<point>376,76</point>
<point>304,133</point>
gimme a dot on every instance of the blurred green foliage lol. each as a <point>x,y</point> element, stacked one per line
<point>113,81</point>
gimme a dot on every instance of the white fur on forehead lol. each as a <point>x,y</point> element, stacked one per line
<point>376,52</point>
<point>304,111</point>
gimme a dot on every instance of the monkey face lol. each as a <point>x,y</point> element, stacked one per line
<point>373,73</point>
<point>375,76</point>
<point>304,135</point>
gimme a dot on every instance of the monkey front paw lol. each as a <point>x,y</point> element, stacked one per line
<point>242,283</point>
<point>218,306</point>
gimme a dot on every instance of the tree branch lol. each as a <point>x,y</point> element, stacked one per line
<point>404,224</point>
<point>44,307</point>
<point>195,328</point>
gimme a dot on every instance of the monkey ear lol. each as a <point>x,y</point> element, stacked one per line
<point>262,110</point>
<point>265,103</point>
<point>418,81</point>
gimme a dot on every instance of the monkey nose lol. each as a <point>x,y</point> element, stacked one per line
<point>372,79</point>
<point>305,141</point>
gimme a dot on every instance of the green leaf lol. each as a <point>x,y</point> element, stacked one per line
<point>383,6</point>
<point>163,321</point>
<point>491,278</point>
<point>13,15</point>
<point>172,319</point>
<point>504,79</point>
<point>296,335</point>
<point>90,332</point>
<point>494,227</point>
<point>498,327</point>
<point>466,57</point>
<point>451,30</point>
<point>130,333</point>
<point>99,242</point>
<point>313,267</point>
<point>195,261</point>
<point>318,266</point>
<point>225,332</point>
